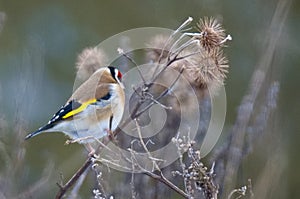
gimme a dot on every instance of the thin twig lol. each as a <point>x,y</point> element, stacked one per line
<point>159,177</point>
<point>165,181</point>
<point>98,177</point>
<point>179,29</point>
<point>241,192</point>
<point>164,93</point>
<point>132,61</point>
<point>133,193</point>
<point>181,48</point>
<point>64,188</point>
<point>78,184</point>
<point>145,147</point>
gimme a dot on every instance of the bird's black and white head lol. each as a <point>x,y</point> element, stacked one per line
<point>116,74</point>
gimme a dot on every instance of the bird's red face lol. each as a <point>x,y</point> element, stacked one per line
<point>119,75</point>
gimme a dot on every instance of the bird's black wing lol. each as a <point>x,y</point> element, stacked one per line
<point>60,115</point>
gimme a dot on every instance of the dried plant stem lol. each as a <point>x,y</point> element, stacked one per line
<point>133,193</point>
<point>170,62</point>
<point>164,93</point>
<point>179,29</point>
<point>78,184</point>
<point>121,51</point>
<point>165,181</point>
<point>159,177</point>
<point>155,166</point>
<point>246,107</point>
<point>64,188</point>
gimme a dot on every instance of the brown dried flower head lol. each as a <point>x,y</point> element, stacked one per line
<point>208,69</point>
<point>212,33</point>
<point>88,61</point>
<point>205,66</point>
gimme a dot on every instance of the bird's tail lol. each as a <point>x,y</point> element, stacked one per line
<point>39,131</point>
<point>30,135</point>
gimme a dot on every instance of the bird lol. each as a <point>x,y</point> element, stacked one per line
<point>94,110</point>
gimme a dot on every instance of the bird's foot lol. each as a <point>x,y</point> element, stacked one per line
<point>92,151</point>
<point>111,134</point>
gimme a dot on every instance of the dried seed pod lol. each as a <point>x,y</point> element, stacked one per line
<point>212,33</point>
<point>88,61</point>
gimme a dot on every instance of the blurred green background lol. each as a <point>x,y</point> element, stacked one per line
<point>40,41</point>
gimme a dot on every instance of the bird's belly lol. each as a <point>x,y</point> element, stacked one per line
<point>85,131</point>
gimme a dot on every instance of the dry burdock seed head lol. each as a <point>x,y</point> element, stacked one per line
<point>88,61</point>
<point>212,33</point>
<point>205,66</point>
<point>208,69</point>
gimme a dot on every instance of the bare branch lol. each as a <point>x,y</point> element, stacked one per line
<point>165,181</point>
<point>164,93</point>
<point>121,51</point>
<point>75,190</point>
<point>179,29</point>
<point>155,166</point>
<point>64,188</point>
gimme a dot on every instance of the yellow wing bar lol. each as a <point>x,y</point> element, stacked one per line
<point>79,109</point>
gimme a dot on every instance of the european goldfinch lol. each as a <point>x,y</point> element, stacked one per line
<point>94,109</point>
